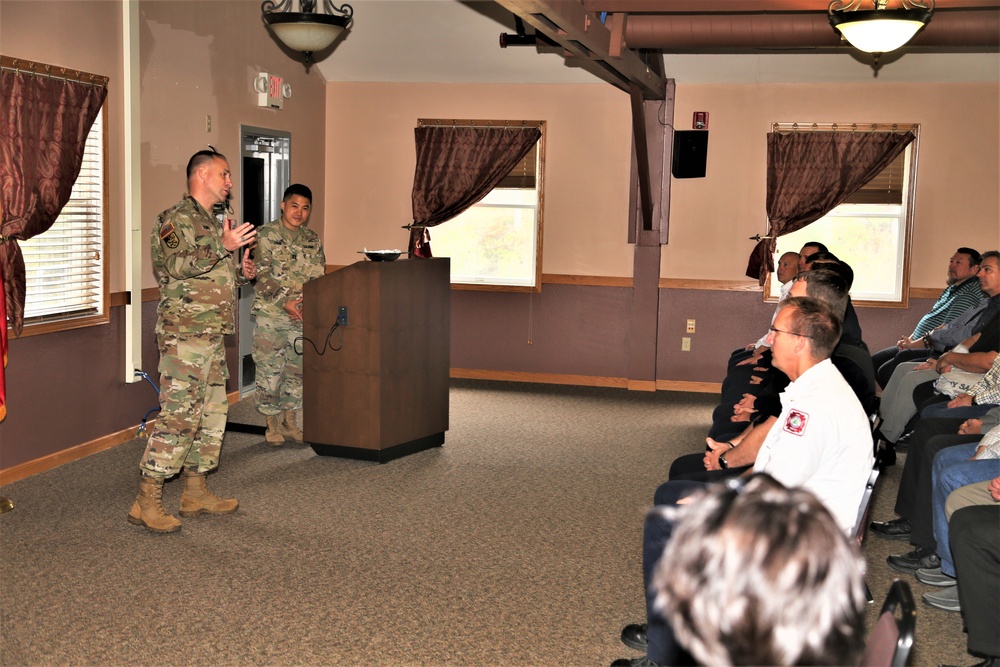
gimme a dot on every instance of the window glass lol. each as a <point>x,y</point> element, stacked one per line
<point>495,244</point>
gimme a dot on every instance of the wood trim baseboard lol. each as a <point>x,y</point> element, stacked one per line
<point>540,378</point>
<point>694,387</point>
<point>586,380</point>
<point>56,459</point>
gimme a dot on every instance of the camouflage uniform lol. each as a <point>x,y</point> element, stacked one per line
<point>285,259</point>
<point>198,279</point>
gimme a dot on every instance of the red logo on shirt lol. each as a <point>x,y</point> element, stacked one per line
<point>796,422</point>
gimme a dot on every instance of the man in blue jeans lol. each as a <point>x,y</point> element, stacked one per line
<point>954,468</point>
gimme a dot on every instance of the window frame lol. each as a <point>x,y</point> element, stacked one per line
<point>908,202</point>
<point>539,212</point>
<point>45,324</point>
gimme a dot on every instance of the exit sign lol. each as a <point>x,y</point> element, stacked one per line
<point>270,91</point>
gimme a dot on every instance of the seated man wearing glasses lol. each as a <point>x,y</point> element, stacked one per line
<point>821,441</point>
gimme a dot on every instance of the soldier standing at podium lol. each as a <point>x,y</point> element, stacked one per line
<point>288,255</point>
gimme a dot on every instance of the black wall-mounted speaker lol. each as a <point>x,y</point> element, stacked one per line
<point>690,154</point>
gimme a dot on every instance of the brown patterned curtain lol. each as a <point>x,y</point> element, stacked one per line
<point>458,166</point>
<point>811,173</point>
<point>44,122</point>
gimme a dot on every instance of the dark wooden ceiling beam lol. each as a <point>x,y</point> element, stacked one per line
<point>589,43</point>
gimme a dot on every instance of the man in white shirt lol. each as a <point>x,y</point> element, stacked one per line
<point>820,442</point>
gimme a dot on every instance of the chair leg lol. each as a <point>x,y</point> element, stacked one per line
<point>868,593</point>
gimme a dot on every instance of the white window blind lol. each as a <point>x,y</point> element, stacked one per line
<point>64,266</point>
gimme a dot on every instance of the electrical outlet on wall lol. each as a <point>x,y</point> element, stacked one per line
<point>685,343</point>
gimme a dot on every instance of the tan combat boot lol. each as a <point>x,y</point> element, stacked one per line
<point>291,425</point>
<point>148,508</point>
<point>275,435</point>
<point>197,499</point>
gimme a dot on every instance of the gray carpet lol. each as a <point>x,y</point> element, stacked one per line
<point>517,543</point>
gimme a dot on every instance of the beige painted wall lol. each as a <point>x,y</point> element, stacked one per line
<point>370,161</point>
<point>197,59</point>
<point>957,177</point>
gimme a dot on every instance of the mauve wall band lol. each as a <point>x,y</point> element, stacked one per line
<point>66,389</point>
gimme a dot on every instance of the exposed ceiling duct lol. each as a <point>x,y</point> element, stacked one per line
<point>728,32</point>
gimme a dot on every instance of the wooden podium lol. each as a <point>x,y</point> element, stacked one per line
<point>384,394</point>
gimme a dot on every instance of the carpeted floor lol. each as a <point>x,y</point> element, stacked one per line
<point>517,543</point>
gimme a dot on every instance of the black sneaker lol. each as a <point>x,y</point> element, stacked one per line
<point>909,563</point>
<point>634,636</point>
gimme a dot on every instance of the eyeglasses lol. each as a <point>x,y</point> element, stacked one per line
<point>790,333</point>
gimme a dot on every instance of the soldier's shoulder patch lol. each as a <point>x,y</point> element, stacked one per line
<point>169,235</point>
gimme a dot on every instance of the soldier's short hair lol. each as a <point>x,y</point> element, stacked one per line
<point>200,158</point>
<point>297,189</point>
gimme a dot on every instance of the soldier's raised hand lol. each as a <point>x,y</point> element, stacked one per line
<point>234,237</point>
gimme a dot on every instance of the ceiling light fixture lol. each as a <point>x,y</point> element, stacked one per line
<point>879,30</point>
<point>307,30</point>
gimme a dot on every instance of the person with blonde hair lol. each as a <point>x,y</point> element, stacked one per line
<point>759,574</point>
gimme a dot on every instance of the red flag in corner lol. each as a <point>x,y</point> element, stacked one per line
<point>3,350</point>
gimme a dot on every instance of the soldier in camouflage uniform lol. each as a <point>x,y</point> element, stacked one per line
<point>197,264</point>
<point>287,255</point>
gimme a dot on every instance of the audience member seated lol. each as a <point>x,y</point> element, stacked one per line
<point>915,494</point>
<point>821,441</point>
<point>962,293</point>
<point>975,356</point>
<point>786,271</point>
<point>740,450</point>
<point>808,250</point>
<point>974,534</point>
<point>954,468</point>
<point>851,324</point>
<point>758,574</point>
<point>744,384</point>
<point>976,402</point>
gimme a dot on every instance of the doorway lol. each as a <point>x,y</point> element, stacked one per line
<point>266,172</point>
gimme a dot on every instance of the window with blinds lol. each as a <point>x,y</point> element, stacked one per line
<point>871,230</point>
<point>496,243</point>
<point>65,266</point>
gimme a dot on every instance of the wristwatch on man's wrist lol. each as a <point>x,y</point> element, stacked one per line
<point>722,461</point>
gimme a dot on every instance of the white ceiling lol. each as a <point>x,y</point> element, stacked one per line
<point>457,41</point>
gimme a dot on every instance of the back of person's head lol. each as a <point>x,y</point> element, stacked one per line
<point>759,574</point>
<point>815,320</point>
<point>297,189</point>
<point>813,247</point>
<point>974,257</point>
<point>200,158</point>
<point>838,266</point>
<point>827,286</point>
<point>821,256</point>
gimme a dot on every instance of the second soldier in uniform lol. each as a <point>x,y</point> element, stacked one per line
<point>287,255</point>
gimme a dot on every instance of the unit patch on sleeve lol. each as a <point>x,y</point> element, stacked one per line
<point>169,235</point>
<point>796,422</point>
